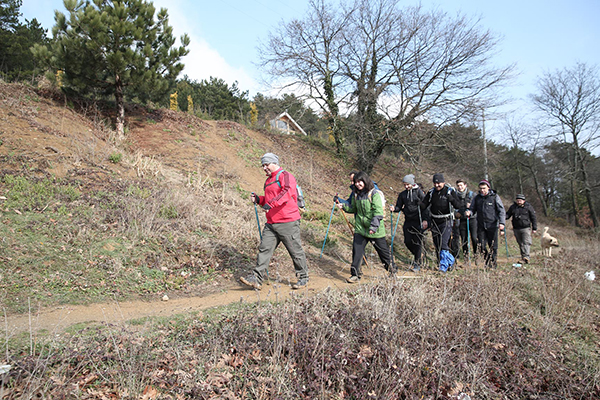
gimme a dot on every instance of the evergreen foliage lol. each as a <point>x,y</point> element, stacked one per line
<point>215,99</point>
<point>16,39</point>
<point>114,47</point>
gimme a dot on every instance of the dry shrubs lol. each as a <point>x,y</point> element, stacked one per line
<point>452,337</point>
<point>438,338</point>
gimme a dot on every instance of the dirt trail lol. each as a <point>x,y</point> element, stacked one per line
<point>56,319</point>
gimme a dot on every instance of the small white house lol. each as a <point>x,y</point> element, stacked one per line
<point>285,123</point>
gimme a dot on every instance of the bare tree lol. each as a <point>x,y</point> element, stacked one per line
<point>304,55</point>
<point>571,100</point>
<point>389,68</point>
<point>517,132</point>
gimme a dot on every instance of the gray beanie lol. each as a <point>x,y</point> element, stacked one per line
<point>410,178</point>
<point>269,158</point>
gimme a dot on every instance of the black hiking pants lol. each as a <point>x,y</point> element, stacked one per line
<point>413,238</point>
<point>488,243</point>
<point>441,230</point>
<point>358,251</point>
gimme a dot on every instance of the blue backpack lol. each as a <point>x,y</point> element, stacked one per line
<point>446,260</point>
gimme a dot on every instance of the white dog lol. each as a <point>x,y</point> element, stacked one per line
<point>547,243</point>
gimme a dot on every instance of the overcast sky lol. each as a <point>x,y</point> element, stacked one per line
<point>537,35</point>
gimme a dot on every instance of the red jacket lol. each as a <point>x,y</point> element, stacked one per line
<point>281,200</point>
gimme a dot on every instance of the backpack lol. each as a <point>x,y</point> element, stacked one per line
<point>446,260</point>
<point>449,189</point>
<point>377,190</point>
<point>299,194</point>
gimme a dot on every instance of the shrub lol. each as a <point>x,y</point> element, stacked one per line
<point>115,158</point>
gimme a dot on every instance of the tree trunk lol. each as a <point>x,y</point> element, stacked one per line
<point>574,202</point>
<point>120,105</point>
<point>587,189</point>
<point>538,190</point>
<point>333,119</point>
<point>368,159</point>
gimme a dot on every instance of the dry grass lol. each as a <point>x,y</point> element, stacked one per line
<point>508,334</point>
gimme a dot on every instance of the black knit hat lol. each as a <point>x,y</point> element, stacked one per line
<point>438,178</point>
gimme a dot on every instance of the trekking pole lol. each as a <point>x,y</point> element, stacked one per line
<point>506,243</point>
<point>394,231</point>
<point>352,233</point>
<point>469,242</point>
<point>260,234</point>
<point>257,221</point>
<point>328,225</point>
<point>421,239</point>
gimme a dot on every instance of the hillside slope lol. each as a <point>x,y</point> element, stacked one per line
<point>166,212</point>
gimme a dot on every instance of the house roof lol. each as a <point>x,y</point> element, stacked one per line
<point>285,116</point>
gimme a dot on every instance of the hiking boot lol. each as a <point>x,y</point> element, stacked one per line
<point>525,260</point>
<point>353,279</point>
<point>251,281</point>
<point>415,267</point>
<point>301,284</point>
<point>391,269</point>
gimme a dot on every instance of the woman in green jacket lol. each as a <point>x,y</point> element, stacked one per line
<point>367,207</point>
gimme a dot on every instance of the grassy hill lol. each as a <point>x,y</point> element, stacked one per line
<point>168,210</point>
<point>86,221</point>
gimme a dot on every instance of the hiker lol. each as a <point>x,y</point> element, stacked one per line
<point>524,223</point>
<point>463,227</point>
<point>490,218</point>
<point>440,199</point>
<point>283,223</point>
<point>408,203</point>
<point>367,205</point>
<point>347,202</point>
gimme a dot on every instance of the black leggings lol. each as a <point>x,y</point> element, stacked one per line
<point>358,250</point>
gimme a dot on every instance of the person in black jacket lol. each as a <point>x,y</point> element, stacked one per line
<point>524,223</point>
<point>408,203</point>
<point>439,199</point>
<point>491,217</point>
<point>464,227</point>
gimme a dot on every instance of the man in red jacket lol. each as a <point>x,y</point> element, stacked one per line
<point>283,223</point>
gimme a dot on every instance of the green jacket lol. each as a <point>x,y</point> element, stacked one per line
<point>368,214</point>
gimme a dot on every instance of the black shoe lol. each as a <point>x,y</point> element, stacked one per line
<point>392,269</point>
<point>415,267</point>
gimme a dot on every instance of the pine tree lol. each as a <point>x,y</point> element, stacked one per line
<point>16,39</point>
<point>113,46</point>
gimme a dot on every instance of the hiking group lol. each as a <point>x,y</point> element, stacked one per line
<point>462,223</point>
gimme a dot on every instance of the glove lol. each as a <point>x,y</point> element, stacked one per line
<point>336,198</point>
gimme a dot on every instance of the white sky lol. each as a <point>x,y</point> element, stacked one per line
<point>538,35</point>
